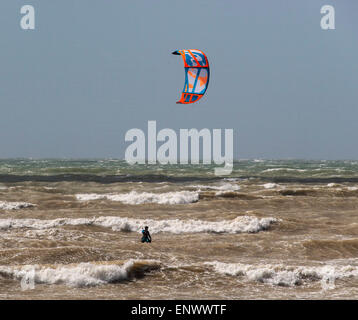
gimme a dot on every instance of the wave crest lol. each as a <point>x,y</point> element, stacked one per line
<point>4,205</point>
<point>282,275</point>
<point>82,274</point>
<point>133,197</point>
<point>241,224</point>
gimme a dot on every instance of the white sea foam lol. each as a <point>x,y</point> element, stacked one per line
<point>90,196</point>
<point>270,185</point>
<point>283,275</point>
<point>78,275</point>
<point>284,169</point>
<point>240,224</point>
<point>352,188</point>
<point>133,197</point>
<point>4,205</point>
<point>332,185</point>
<point>223,187</point>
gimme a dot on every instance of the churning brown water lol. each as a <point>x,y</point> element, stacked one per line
<point>271,230</point>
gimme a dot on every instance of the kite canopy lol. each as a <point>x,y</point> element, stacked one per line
<point>197,73</point>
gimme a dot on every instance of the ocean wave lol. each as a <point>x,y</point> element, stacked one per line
<point>331,248</point>
<point>298,192</point>
<point>318,192</point>
<point>221,188</point>
<point>241,224</point>
<point>4,205</point>
<point>352,188</point>
<point>133,197</point>
<point>332,185</point>
<point>228,194</point>
<point>80,275</point>
<point>283,275</point>
<point>284,169</point>
<point>270,185</point>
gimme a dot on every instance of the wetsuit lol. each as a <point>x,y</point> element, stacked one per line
<point>146,236</point>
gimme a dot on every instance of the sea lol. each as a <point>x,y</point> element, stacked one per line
<point>272,229</point>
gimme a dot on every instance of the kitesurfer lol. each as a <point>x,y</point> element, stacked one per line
<point>146,237</point>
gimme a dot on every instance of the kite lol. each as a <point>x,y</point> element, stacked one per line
<point>197,74</point>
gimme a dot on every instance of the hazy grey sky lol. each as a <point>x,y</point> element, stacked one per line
<point>94,69</point>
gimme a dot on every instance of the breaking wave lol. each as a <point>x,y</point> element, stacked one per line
<point>246,224</point>
<point>4,205</point>
<point>284,169</point>
<point>270,185</point>
<point>282,275</point>
<point>133,197</point>
<point>223,187</point>
<point>80,275</point>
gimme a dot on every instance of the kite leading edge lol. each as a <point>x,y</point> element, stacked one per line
<point>197,74</point>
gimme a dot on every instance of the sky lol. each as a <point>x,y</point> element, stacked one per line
<point>92,70</point>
